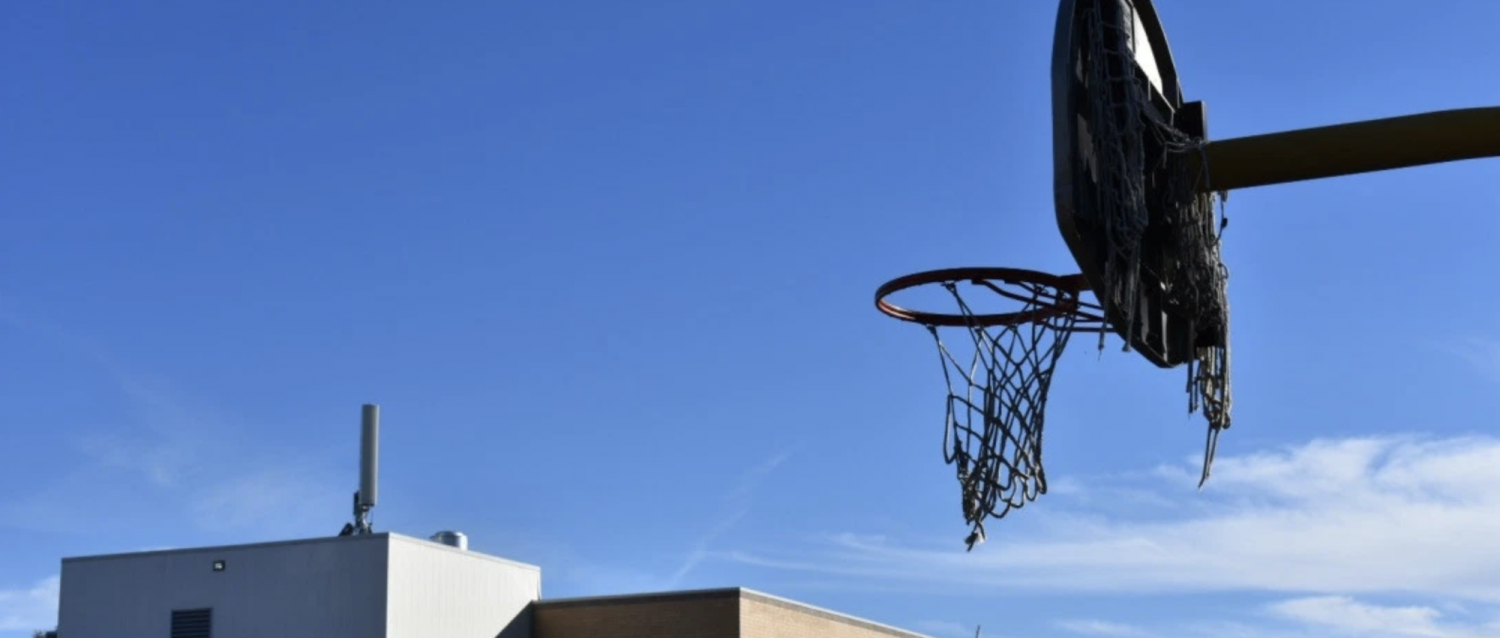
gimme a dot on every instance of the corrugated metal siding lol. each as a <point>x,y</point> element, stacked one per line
<point>440,591</point>
<point>330,588</point>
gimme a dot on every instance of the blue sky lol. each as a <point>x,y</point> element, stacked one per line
<point>607,268</point>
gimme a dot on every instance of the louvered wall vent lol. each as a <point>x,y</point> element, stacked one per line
<point>192,623</point>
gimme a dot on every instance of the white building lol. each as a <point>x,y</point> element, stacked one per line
<point>363,586</point>
<point>360,584</point>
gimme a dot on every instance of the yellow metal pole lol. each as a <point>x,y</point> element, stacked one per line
<point>1357,147</point>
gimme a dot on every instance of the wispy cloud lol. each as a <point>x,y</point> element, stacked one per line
<point>29,608</point>
<point>226,482</point>
<point>1102,628</point>
<point>1482,353</point>
<point>273,501</point>
<point>172,451</point>
<point>1239,629</point>
<point>158,461</point>
<point>737,506</point>
<point>945,628</point>
<point>1334,517</point>
<point>1349,617</point>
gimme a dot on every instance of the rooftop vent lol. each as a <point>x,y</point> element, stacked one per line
<point>452,539</point>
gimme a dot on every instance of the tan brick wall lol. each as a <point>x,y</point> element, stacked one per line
<point>764,616</point>
<point>720,613</point>
<point>713,614</point>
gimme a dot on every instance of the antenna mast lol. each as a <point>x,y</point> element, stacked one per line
<point>369,470</point>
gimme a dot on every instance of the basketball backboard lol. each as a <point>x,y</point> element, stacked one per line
<point>1086,31</point>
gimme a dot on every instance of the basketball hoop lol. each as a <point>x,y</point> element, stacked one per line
<point>995,416</point>
<point>1138,188</point>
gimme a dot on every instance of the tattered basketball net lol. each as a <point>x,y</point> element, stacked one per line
<point>997,392</point>
<point>997,400</point>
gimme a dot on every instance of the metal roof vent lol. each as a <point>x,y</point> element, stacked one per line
<point>452,539</point>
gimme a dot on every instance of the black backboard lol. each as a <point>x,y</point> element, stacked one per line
<point>1162,337</point>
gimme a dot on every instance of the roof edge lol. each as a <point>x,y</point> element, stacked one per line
<point>379,536</point>
<point>220,548</point>
<point>649,597</point>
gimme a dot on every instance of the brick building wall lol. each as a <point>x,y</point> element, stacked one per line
<point>715,613</point>
<point>763,616</point>
<point>700,614</point>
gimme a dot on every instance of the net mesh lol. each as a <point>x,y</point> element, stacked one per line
<point>999,377</point>
<point>997,399</point>
<point>1132,144</point>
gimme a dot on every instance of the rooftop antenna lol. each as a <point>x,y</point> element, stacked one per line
<point>369,469</point>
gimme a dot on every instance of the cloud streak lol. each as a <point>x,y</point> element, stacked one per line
<point>1346,616</point>
<point>1334,517</point>
<point>737,507</point>
<point>170,450</point>
<point>1483,354</point>
<point>947,628</point>
<point>1102,628</point>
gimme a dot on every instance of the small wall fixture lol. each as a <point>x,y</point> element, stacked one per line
<point>219,565</point>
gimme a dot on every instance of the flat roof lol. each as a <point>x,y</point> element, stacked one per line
<point>303,541</point>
